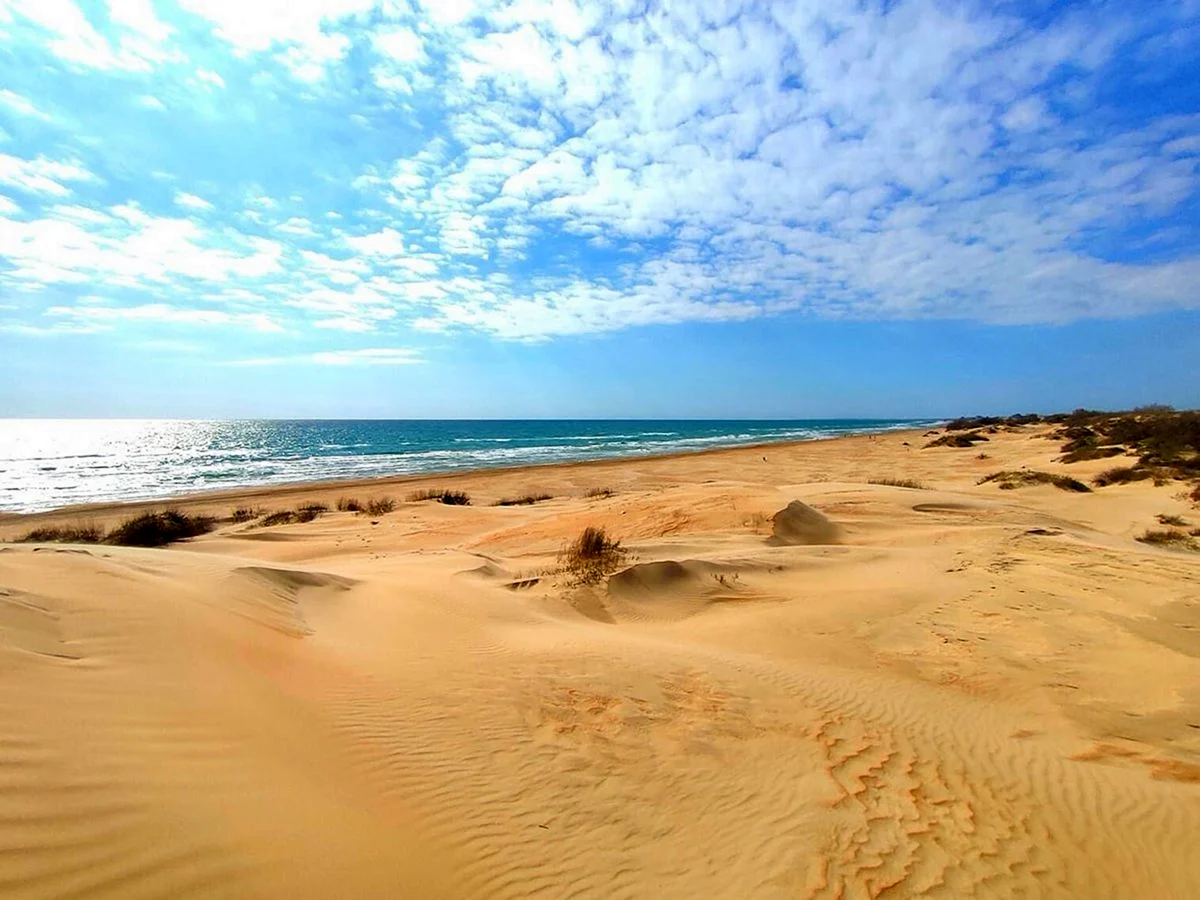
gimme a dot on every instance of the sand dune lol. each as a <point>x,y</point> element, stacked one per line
<point>959,691</point>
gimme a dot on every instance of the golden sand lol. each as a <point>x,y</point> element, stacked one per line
<point>976,693</point>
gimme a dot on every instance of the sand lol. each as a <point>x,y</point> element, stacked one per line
<point>971,692</point>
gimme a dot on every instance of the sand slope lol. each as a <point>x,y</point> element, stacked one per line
<point>975,692</point>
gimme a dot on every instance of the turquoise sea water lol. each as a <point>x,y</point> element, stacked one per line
<point>47,463</point>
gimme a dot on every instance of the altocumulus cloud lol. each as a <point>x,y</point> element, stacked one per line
<point>536,169</point>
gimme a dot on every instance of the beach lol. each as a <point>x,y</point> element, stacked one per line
<point>935,687</point>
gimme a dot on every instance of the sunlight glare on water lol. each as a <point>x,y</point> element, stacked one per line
<point>48,463</point>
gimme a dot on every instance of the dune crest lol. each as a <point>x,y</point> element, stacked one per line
<point>799,523</point>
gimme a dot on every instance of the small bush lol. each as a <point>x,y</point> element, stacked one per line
<point>1194,496</point>
<point>591,556</point>
<point>899,482</point>
<point>348,504</point>
<point>245,514</point>
<point>1168,539</point>
<point>1164,519</point>
<point>1121,475</point>
<point>599,493</point>
<point>380,506</point>
<point>1008,481</point>
<point>983,456</point>
<point>527,500</point>
<point>1090,452</point>
<point>450,498</point>
<point>84,533</point>
<point>157,529</point>
<point>957,440</point>
<point>282,517</point>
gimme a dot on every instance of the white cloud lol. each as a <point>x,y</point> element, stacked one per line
<point>139,16</point>
<point>297,30</point>
<point>76,41</point>
<point>297,226</point>
<point>382,356</point>
<point>207,76</point>
<point>22,105</point>
<point>150,102</point>
<point>128,248</point>
<point>41,175</point>
<point>191,201</point>
<point>163,314</point>
<point>8,207</point>
<point>569,168</point>
<point>399,44</point>
<point>386,242</point>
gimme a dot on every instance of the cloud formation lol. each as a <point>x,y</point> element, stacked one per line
<point>534,169</point>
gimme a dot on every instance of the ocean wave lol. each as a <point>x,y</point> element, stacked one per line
<point>170,459</point>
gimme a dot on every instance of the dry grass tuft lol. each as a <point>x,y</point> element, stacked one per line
<point>1169,539</point>
<point>599,493</point>
<point>79,533</point>
<point>281,517</point>
<point>1008,481</point>
<point>591,556</point>
<point>1121,475</point>
<point>310,511</point>
<point>1164,519</point>
<point>527,500</point>
<point>380,506</point>
<point>349,504</point>
<point>900,482</point>
<point>450,498</point>
<point>246,514</point>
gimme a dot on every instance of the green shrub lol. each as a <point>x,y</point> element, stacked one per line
<point>157,529</point>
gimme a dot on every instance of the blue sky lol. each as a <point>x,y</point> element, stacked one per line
<point>551,208</point>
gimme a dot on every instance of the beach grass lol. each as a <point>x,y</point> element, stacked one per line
<point>900,482</point>
<point>525,500</point>
<point>1011,480</point>
<point>591,556</point>
<point>442,495</point>
<point>79,533</point>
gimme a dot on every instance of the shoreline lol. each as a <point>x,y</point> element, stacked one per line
<point>288,492</point>
<point>201,498</point>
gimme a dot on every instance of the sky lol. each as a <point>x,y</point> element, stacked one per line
<point>463,208</point>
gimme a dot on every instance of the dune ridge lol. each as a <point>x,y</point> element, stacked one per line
<point>958,691</point>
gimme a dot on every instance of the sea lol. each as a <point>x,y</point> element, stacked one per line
<point>50,463</point>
